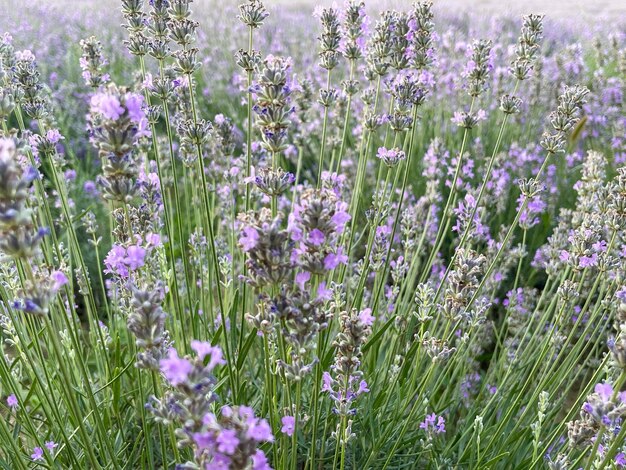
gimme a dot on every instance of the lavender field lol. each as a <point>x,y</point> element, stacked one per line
<point>344,236</point>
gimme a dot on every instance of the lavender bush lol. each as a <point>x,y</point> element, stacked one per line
<point>251,238</point>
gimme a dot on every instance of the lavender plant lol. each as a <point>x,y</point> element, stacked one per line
<point>249,237</point>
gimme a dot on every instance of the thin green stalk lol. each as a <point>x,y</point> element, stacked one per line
<point>209,223</point>
<point>445,215</point>
<point>323,143</point>
<point>407,171</point>
<point>157,393</point>
<point>244,268</point>
<point>346,122</point>
<point>169,217</point>
<point>294,436</point>
<point>521,260</point>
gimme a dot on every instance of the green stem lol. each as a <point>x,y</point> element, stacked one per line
<point>323,143</point>
<point>209,223</point>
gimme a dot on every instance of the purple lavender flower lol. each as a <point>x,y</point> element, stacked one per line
<point>327,382</point>
<point>230,440</point>
<point>316,237</point>
<point>259,430</point>
<point>121,261</point>
<point>315,224</point>
<point>108,105</point>
<point>69,175</point>
<point>391,157</point>
<point>174,368</point>
<point>289,425</point>
<point>340,218</point>
<point>135,257</point>
<point>37,454</point>
<point>332,260</point>
<point>227,441</point>
<point>12,402</point>
<point>154,240</point>
<point>249,239</point>
<point>600,409</point>
<point>259,461</point>
<point>204,349</point>
<point>115,261</point>
<point>59,279</point>
<point>51,445</point>
<point>605,390</point>
<point>302,278</point>
<point>90,188</point>
<point>323,293</point>
<point>433,424</point>
<point>366,317</point>
<point>219,462</point>
<point>54,136</point>
<point>134,104</point>
<point>585,261</point>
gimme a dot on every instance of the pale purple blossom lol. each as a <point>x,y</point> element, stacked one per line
<point>115,261</point>
<point>327,382</point>
<point>340,218</point>
<point>260,462</point>
<point>134,105</point>
<point>289,425</point>
<point>434,423</point>
<point>332,260</point>
<point>25,55</point>
<point>107,105</point>
<point>135,257</point>
<point>363,388</point>
<point>37,454</point>
<point>249,239</point>
<point>51,445</point>
<point>153,239</point>
<point>90,188</point>
<point>588,261</point>
<point>12,402</point>
<point>323,292</point>
<point>59,279</point>
<point>219,462</point>
<point>204,349</point>
<point>366,317</point>
<point>605,390</point>
<point>227,441</point>
<point>390,157</point>
<point>316,237</point>
<point>302,278</point>
<point>259,430</point>
<point>54,136</point>
<point>175,369</point>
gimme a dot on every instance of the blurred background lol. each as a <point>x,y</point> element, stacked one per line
<point>577,10</point>
<point>573,9</point>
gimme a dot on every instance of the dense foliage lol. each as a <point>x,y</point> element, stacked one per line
<point>242,240</point>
